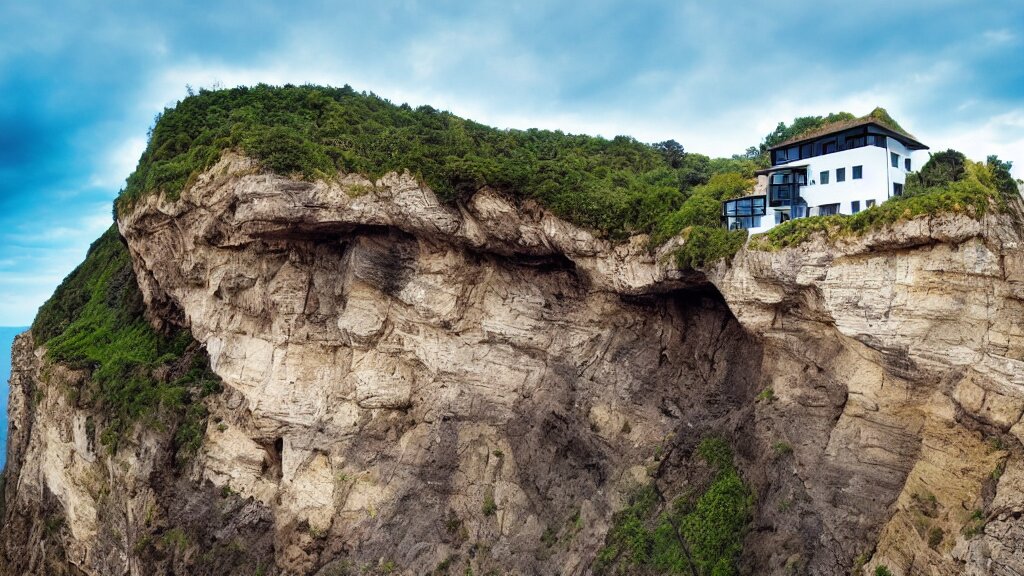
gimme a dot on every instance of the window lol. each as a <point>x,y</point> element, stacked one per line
<point>828,147</point>
<point>828,209</point>
<point>840,174</point>
<point>805,151</point>
<point>753,206</point>
<point>906,164</point>
<point>856,141</point>
<point>854,206</point>
<point>780,156</point>
<point>897,189</point>
<point>876,140</point>
<point>824,177</point>
<point>858,172</point>
<point>745,222</point>
<point>869,203</point>
<point>895,159</point>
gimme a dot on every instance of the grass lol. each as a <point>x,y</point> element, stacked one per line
<point>616,186</point>
<point>96,321</point>
<point>490,507</point>
<point>780,449</point>
<point>647,537</point>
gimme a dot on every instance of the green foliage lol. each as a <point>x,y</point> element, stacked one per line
<point>766,395</point>
<point>490,507</point>
<point>618,186</point>
<point>95,320</point>
<point>975,524</point>
<point>973,194</point>
<point>801,125</point>
<point>702,534</point>
<point>882,570</point>
<point>781,449</point>
<point>941,169</point>
<point>705,245</point>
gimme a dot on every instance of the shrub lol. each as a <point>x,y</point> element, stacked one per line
<point>618,187</point>
<point>490,507</point>
<point>781,449</point>
<point>704,245</point>
<point>882,570</point>
<point>96,321</point>
<point>712,524</point>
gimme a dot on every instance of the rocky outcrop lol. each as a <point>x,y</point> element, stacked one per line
<point>419,385</point>
<point>896,360</point>
<point>73,508</point>
<point>411,387</point>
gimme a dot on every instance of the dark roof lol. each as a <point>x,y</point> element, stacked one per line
<point>872,119</point>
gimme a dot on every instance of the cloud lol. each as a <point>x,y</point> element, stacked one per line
<point>82,84</point>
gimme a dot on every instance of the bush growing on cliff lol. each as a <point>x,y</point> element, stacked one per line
<point>96,321</point>
<point>617,186</point>
<point>692,534</point>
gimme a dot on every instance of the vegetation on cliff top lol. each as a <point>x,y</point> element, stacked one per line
<point>617,187</point>
<point>96,320</point>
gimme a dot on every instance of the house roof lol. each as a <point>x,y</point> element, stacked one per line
<point>878,117</point>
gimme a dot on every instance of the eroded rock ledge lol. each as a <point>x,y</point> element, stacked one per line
<point>394,365</point>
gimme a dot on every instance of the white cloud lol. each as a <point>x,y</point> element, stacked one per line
<point>1002,135</point>
<point>117,163</point>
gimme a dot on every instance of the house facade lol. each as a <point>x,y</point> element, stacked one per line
<point>842,168</point>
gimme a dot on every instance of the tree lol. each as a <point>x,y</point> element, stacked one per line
<point>943,168</point>
<point>1001,177</point>
<point>672,152</point>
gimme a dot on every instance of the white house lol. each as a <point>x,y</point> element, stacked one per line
<point>841,168</point>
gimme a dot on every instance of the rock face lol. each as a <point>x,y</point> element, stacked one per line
<point>897,362</point>
<point>412,387</point>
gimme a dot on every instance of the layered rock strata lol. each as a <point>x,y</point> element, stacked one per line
<point>412,386</point>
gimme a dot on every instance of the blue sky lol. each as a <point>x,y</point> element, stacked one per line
<point>82,81</point>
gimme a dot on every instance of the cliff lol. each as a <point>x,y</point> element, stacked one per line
<point>382,382</point>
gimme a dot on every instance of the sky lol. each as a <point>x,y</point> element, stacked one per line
<point>82,81</point>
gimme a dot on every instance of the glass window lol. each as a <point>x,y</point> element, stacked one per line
<point>828,209</point>
<point>744,207</point>
<point>856,141</point>
<point>840,174</point>
<point>854,206</point>
<point>869,203</point>
<point>805,151</point>
<point>906,164</point>
<point>793,153</point>
<point>828,147</point>
<point>895,159</point>
<point>877,140</point>
<point>897,189</point>
<point>823,177</point>
<point>858,172</point>
<point>780,156</point>
<point>744,222</point>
